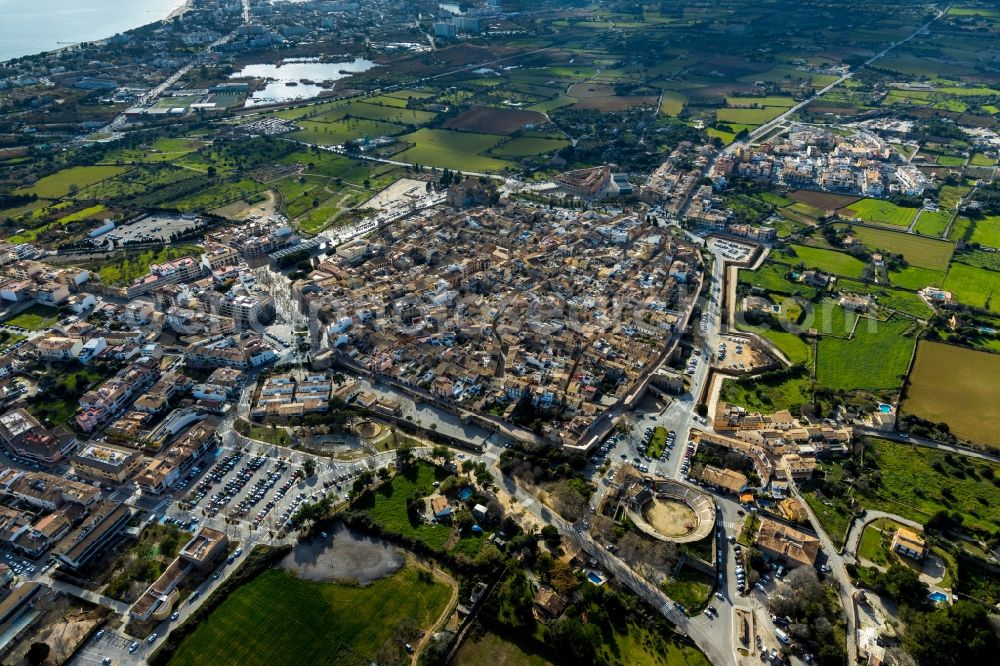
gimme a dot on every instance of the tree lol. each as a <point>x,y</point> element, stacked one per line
<point>550,533</point>
<point>309,467</point>
<point>575,640</point>
<point>952,636</point>
<point>383,473</point>
<point>404,456</point>
<point>441,452</point>
<point>37,653</point>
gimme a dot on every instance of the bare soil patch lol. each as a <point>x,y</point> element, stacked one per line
<point>671,518</point>
<point>485,120</point>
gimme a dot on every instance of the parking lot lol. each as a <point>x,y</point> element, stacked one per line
<point>150,229</point>
<point>259,489</point>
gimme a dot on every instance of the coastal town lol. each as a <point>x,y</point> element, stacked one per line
<point>494,332</point>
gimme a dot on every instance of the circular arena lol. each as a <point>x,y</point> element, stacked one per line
<point>674,512</point>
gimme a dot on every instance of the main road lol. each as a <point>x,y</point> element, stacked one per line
<point>766,127</point>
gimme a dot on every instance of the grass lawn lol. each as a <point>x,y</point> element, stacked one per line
<point>933,223</point>
<point>636,645</point>
<point>489,649</point>
<point>917,250</point>
<point>987,231</point>
<point>526,146</point>
<point>280,619</point>
<point>974,286</point>
<point>767,396</point>
<point>957,386</point>
<point>452,150</point>
<point>829,261</point>
<point>876,357</point>
<point>62,182</point>
<point>771,277</point>
<point>833,513</point>
<point>876,541</point>
<point>828,318</point>
<point>950,195</point>
<point>34,318</point>
<point>331,134</point>
<point>749,116</point>
<point>917,482</point>
<point>387,506</point>
<point>672,103</point>
<point>657,442</point>
<point>880,212</point>
<point>691,589</point>
<point>126,269</point>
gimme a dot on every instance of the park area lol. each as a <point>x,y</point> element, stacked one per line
<point>280,619</point>
<point>387,505</point>
<point>957,386</point>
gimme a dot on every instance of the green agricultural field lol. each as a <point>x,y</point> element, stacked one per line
<point>749,116</point>
<point>37,317</point>
<point>452,150</point>
<point>527,146</point>
<point>933,223</point>
<point>913,277</point>
<point>986,231</point>
<point>877,357</point>
<point>350,129</point>
<point>880,212</point>
<point>917,250</point>
<point>69,180</point>
<point>982,160</point>
<point>974,286</point>
<point>961,229</point>
<point>84,214</point>
<point>951,160</point>
<point>553,104</point>
<point>828,318</point>
<point>389,114</point>
<point>279,618</point>
<point>672,103</point>
<point>753,102</point>
<point>830,261</point>
<point>387,506</point>
<point>957,386</point>
<point>950,195</point>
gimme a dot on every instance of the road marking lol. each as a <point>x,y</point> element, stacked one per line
<point>491,455</point>
<point>528,501</point>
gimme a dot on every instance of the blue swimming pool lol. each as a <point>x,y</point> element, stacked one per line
<point>884,408</point>
<point>937,597</point>
<point>594,578</point>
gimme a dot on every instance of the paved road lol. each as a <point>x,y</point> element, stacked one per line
<point>845,587</point>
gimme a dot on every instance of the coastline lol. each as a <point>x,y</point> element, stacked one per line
<point>183,9</point>
<point>185,6</point>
